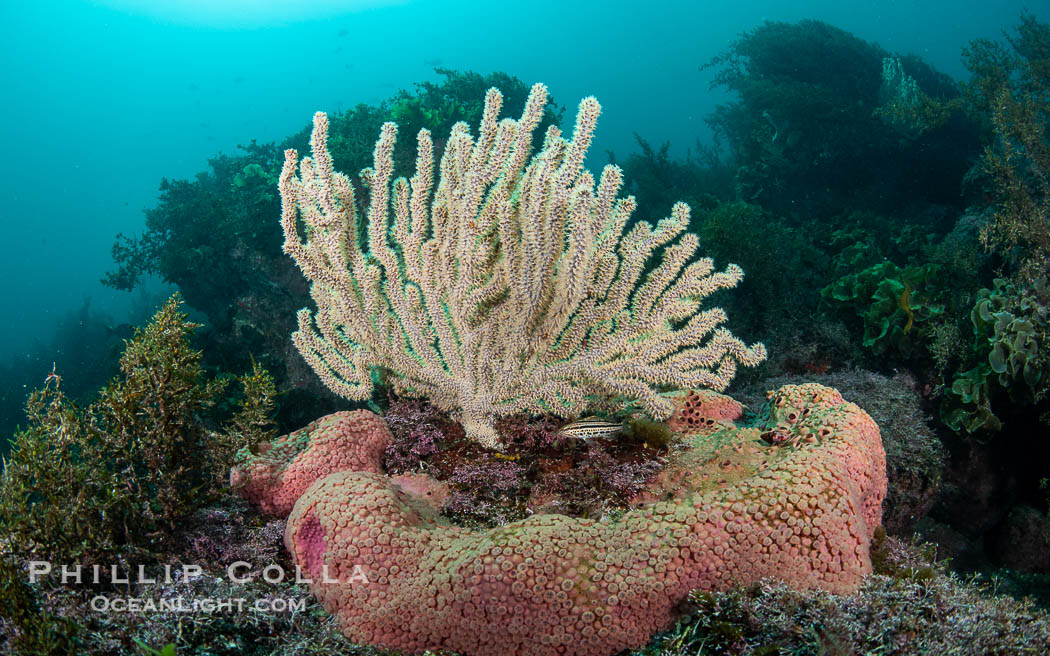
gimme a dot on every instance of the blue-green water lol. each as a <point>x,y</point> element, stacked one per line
<point>103,99</point>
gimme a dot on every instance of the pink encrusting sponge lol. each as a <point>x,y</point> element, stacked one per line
<point>279,473</point>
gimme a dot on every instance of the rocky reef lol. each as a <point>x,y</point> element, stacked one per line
<point>795,495</point>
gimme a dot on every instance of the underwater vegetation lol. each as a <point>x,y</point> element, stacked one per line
<point>775,248</point>
<point>825,122</point>
<point>121,474</point>
<point>1008,91</point>
<point>85,341</point>
<point>896,306</point>
<point>480,292</point>
<point>1009,346</point>
<point>658,181</point>
<point>117,479</point>
<point>821,146</point>
<point>911,605</point>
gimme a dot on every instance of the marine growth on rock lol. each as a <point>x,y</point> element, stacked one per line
<point>729,509</point>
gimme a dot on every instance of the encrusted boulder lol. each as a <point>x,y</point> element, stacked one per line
<point>796,497</point>
<point>916,461</point>
<point>277,474</point>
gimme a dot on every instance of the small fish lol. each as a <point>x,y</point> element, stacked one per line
<point>590,427</point>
